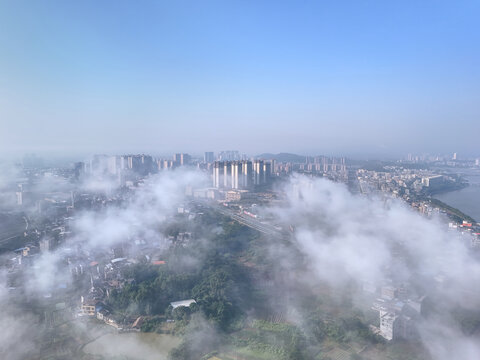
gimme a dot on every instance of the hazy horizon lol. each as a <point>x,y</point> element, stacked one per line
<point>337,78</point>
<point>338,218</point>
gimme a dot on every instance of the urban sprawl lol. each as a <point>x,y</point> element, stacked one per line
<point>39,220</point>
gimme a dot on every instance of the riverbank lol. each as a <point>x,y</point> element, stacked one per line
<point>465,201</point>
<point>467,198</point>
<point>454,212</point>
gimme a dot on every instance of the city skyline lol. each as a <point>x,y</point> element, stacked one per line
<point>219,180</point>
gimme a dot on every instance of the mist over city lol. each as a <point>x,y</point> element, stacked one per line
<point>239,180</point>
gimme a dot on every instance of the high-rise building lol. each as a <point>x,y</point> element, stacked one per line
<point>99,164</point>
<point>208,157</point>
<point>267,172</point>
<point>236,170</point>
<point>124,162</point>
<point>258,177</point>
<point>147,164</point>
<point>217,174</point>
<point>113,165</point>
<point>185,159</point>
<point>229,155</point>
<point>139,164</point>
<point>232,174</point>
<point>227,178</point>
<point>79,169</point>
<point>181,159</point>
<point>19,195</point>
<point>247,174</point>
<point>135,163</point>
<point>176,159</point>
<point>164,164</point>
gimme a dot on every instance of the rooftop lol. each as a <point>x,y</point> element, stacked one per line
<point>185,303</point>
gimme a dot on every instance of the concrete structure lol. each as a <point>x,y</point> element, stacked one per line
<point>247,174</point>
<point>387,324</point>
<point>185,303</point>
<point>258,171</point>
<point>208,157</point>
<point>433,181</point>
<point>233,175</point>
<point>227,178</point>
<point>389,292</point>
<point>218,174</point>
<point>185,159</point>
<point>233,195</point>
<point>229,155</point>
<point>87,307</point>
<point>394,327</point>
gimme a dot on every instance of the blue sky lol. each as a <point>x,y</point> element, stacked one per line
<point>301,76</point>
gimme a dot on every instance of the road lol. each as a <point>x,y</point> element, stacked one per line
<point>250,222</point>
<point>246,220</point>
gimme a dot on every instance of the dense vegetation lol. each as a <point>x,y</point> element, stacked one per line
<point>243,299</point>
<point>212,278</point>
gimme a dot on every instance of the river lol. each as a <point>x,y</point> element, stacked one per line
<point>133,345</point>
<point>466,200</point>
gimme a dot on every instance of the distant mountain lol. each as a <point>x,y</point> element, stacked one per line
<point>283,157</point>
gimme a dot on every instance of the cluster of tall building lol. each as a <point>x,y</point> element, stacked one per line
<point>230,170</point>
<point>324,164</point>
<point>114,165</point>
<point>180,159</point>
<point>446,159</point>
<point>317,164</point>
<point>242,174</point>
<point>209,157</point>
<point>138,164</point>
<point>231,155</point>
<point>398,314</point>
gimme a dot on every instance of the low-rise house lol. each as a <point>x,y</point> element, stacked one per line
<point>87,307</point>
<point>103,314</point>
